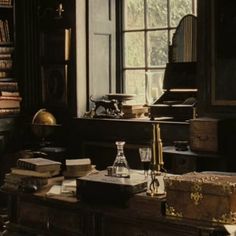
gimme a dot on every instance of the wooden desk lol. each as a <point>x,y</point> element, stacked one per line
<point>38,214</point>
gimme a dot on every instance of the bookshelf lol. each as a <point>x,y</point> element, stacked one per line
<point>8,81</point>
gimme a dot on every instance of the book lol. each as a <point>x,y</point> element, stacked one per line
<point>78,167</point>
<point>6,50</point>
<point>9,102</point>
<point>38,164</point>
<point>10,94</point>
<point>2,32</point>
<point>6,56</point>
<point>25,172</point>
<point>15,182</point>
<point>78,173</point>
<point>82,164</point>
<point>7,32</point>
<point>133,108</point>
<point>6,2</point>
<point>5,75</point>
<point>9,86</point>
<point>24,180</point>
<point>6,63</point>
<point>9,111</point>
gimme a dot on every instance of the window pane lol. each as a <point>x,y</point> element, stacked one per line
<point>133,14</point>
<point>156,13</point>
<point>134,49</point>
<point>178,9</point>
<point>135,84</point>
<point>157,48</point>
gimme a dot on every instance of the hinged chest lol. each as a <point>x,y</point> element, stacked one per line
<point>202,196</point>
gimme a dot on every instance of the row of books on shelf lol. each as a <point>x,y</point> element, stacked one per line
<point>6,63</point>
<point>6,60</point>
<point>6,50</point>
<point>6,2</point>
<point>4,31</point>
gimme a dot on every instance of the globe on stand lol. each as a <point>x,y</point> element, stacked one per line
<point>43,125</point>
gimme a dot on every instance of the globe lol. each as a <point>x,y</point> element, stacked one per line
<point>43,125</point>
<point>43,117</point>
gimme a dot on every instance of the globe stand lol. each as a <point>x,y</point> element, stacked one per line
<point>43,132</point>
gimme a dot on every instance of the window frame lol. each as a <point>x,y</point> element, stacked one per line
<point>121,68</point>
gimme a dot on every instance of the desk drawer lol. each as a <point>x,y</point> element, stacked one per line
<point>32,215</point>
<point>63,222</point>
<point>116,226</point>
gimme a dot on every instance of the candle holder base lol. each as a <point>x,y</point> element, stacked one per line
<point>153,189</point>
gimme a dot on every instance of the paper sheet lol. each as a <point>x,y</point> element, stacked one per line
<point>231,229</point>
<point>54,190</point>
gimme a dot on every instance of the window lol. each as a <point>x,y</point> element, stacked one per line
<point>148,27</point>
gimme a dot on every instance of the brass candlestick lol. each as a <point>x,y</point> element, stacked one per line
<point>157,162</point>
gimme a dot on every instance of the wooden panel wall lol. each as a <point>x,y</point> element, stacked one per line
<point>27,53</point>
<point>101,47</point>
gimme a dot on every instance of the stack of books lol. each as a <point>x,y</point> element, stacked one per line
<point>9,101</point>
<point>134,110</point>
<point>31,171</point>
<point>78,167</point>
<point>9,92</point>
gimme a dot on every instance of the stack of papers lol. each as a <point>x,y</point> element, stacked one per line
<point>67,188</point>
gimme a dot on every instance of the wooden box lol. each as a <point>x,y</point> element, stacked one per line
<point>204,135</point>
<point>202,196</point>
<point>101,188</point>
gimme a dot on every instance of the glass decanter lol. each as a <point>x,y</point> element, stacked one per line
<point>120,165</point>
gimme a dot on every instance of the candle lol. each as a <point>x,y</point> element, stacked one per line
<point>158,144</point>
<point>154,144</point>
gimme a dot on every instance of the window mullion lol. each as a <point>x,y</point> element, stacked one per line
<point>168,22</point>
<point>145,35</point>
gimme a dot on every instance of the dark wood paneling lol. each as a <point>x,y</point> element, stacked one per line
<point>95,138</point>
<point>27,53</point>
<point>214,60</point>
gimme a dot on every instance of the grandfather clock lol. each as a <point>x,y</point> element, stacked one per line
<point>57,54</point>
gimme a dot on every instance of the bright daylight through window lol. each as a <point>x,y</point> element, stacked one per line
<point>148,27</point>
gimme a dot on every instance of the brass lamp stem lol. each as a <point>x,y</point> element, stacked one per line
<point>157,161</point>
